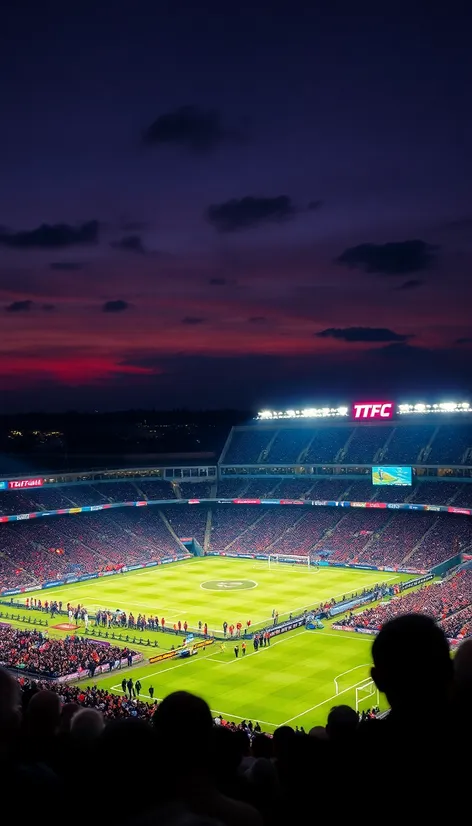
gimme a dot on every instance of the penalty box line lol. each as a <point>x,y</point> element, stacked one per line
<point>117,689</point>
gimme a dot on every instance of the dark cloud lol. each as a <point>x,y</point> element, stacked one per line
<point>50,236</point>
<point>117,306</point>
<point>130,243</point>
<point>66,266</point>
<point>412,284</point>
<point>466,340</point>
<point>249,212</point>
<point>362,334</point>
<point>192,320</point>
<point>19,307</point>
<point>190,127</point>
<point>217,282</point>
<point>464,223</point>
<point>134,226</point>
<point>394,258</point>
<point>48,308</point>
<point>257,319</point>
<point>314,205</point>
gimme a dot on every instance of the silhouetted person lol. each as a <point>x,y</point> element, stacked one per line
<point>413,667</point>
<point>184,729</point>
<point>341,726</point>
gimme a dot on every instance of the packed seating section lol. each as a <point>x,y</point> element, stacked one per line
<point>445,602</point>
<point>40,655</point>
<point>399,443</point>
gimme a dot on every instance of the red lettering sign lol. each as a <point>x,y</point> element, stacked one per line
<point>373,410</point>
<point>292,502</point>
<point>25,483</point>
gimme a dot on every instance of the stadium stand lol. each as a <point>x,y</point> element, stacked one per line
<point>246,446</point>
<point>287,446</point>
<point>188,522</point>
<point>41,656</point>
<point>195,490</point>
<point>407,444</point>
<point>363,444</point>
<point>443,601</point>
<point>326,444</point>
<point>35,552</point>
<point>450,445</point>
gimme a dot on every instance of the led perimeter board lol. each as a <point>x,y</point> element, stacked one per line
<point>389,475</point>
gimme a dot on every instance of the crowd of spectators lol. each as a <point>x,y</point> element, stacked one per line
<point>445,602</point>
<point>36,551</point>
<point>180,765</point>
<point>54,657</point>
<point>318,443</point>
<point>33,552</point>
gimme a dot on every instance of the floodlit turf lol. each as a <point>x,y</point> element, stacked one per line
<point>290,682</point>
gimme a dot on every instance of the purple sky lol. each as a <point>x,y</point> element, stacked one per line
<point>242,206</point>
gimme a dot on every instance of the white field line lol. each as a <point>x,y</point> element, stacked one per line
<point>349,635</point>
<point>318,705</point>
<point>316,601</point>
<point>171,668</point>
<point>118,689</point>
<point>213,710</point>
<point>242,657</point>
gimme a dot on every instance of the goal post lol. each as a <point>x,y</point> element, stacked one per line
<point>365,692</point>
<point>289,559</point>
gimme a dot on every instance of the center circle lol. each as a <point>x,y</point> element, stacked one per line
<point>228,584</point>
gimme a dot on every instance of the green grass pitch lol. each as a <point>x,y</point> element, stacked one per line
<point>290,682</point>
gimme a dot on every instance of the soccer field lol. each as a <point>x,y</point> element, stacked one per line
<point>292,681</point>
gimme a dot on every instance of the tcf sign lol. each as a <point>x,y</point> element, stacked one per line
<point>373,410</point>
<point>25,483</point>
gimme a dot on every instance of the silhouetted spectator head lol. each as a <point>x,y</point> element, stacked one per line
<point>184,726</point>
<point>342,724</point>
<point>262,746</point>
<point>135,738</point>
<point>283,741</point>
<point>43,714</point>
<point>10,705</point>
<point>87,725</point>
<point>67,713</point>
<point>318,733</point>
<point>412,663</point>
<point>226,755</point>
<point>463,670</point>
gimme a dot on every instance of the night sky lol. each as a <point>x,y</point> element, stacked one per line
<point>210,204</point>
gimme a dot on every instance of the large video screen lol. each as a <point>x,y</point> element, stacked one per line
<point>388,475</point>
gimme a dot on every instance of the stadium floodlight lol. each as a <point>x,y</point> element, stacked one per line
<point>304,413</point>
<point>441,407</point>
<point>448,407</point>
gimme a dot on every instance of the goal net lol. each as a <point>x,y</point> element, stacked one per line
<point>355,680</point>
<point>366,692</point>
<point>289,559</point>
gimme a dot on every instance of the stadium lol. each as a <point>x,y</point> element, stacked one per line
<point>257,583</point>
